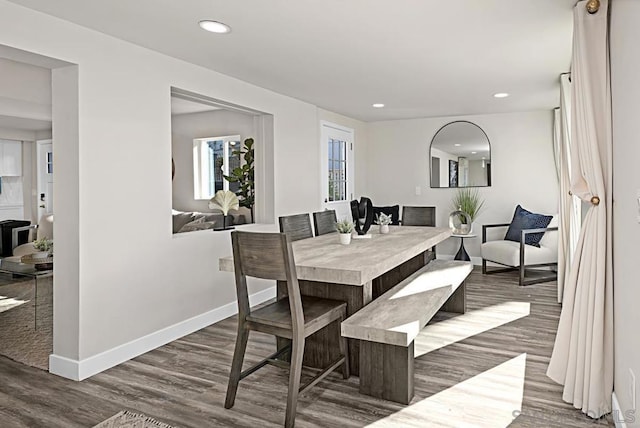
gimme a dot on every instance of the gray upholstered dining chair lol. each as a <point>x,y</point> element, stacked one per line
<point>270,256</point>
<point>297,226</point>
<point>324,222</point>
<point>420,216</point>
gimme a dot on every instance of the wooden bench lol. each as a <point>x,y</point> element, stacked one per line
<point>388,326</point>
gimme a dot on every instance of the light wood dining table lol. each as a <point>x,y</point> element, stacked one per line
<point>355,273</point>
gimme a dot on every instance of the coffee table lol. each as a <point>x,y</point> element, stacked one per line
<point>28,271</point>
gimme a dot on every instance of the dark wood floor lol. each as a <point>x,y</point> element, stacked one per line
<point>474,381</point>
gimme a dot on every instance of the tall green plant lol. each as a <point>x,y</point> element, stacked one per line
<point>244,176</point>
<point>469,201</point>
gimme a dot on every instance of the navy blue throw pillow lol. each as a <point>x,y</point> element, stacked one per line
<point>393,211</point>
<point>523,219</point>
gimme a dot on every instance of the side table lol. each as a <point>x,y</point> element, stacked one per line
<point>462,253</point>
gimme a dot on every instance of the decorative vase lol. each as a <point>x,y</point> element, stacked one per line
<point>460,222</point>
<point>384,228</point>
<point>345,238</point>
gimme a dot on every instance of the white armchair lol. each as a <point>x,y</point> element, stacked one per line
<point>521,256</point>
<point>44,229</point>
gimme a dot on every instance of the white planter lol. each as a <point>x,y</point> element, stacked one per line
<point>40,255</point>
<point>384,228</point>
<point>345,238</point>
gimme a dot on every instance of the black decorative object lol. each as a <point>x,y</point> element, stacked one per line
<point>362,213</point>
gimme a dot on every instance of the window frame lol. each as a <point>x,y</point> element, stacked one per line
<point>202,164</point>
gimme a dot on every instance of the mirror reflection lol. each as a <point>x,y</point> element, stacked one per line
<point>460,156</point>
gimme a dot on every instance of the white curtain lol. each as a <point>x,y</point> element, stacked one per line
<point>582,358</point>
<point>569,206</point>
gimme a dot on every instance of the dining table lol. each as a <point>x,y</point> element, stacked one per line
<point>356,274</point>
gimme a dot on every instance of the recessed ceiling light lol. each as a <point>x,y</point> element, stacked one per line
<point>215,26</point>
<point>473,153</point>
<point>457,145</point>
<point>377,105</point>
<point>501,95</point>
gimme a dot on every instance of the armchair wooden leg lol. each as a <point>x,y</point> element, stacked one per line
<point>344,350</point>
<point>484,267</point>
<point>297,351</point>
<point>236,365</point>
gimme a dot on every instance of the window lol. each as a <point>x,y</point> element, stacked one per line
<point>213,158</point>
<point>337,170</point>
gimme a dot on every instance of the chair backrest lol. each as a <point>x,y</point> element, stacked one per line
<point>418,216</point>
<point>267,256</point>
<point>297,226</point>
<point>325,222</point>
<point>45,227</point>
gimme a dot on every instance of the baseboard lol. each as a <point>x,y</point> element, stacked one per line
<point>618,415</point>
<point>477,261</point>
<point>82,369</point>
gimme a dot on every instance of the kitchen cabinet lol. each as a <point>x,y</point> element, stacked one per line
<point>10,158</point>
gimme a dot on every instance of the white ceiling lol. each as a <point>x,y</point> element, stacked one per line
<point>420,57</point>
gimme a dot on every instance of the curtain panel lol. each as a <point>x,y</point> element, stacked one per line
<point>582,358</point>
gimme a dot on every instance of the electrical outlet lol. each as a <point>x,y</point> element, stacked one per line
<point>632,389</point>
<point>418,190</point>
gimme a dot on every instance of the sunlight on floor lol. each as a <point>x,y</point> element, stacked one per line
<point>7,303</point>
<point>490,399</point>
<point>432,279</point>
<point>443,333</point>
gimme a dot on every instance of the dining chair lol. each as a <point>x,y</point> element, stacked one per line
<point>325,222</point>
<point>296,317</point>
<point>297,226</point>
<point>420,216</point>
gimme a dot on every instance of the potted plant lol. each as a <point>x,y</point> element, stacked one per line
<point>384,221</point>
<point>224,200</point>
<point>44,247</point>
<point>345,228</point>
<point>467,201</point>
<point>244,176</point>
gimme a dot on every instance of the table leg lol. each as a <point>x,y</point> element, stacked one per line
<point>321,348</point>
<point>462,253</point>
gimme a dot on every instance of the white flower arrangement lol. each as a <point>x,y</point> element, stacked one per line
<point>383,219</point>
<point>344,226</point>
<point>43,244</point>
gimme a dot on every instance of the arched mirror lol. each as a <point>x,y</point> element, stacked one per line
<point>460,156</point>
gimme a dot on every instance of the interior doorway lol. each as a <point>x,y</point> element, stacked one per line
<point>28,88</point>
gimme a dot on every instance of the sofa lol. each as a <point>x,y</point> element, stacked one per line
<point>189,221</point>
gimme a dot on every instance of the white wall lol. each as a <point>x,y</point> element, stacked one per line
<point>25,90</point>
<point>187,127</point>
<point>523,170</point>
<point>120,273</point>
<point>625,67</point>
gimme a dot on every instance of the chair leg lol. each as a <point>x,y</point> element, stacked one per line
<point>484,267</point>
<point>521,270</point>
<point>297,351</point>
<point>236,365</point>
<point>344,350</point>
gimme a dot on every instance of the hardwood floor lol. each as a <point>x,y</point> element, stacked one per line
<point>479,369</point>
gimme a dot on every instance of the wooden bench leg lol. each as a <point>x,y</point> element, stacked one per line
<point>386,371</point>
<point>457,302</point>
